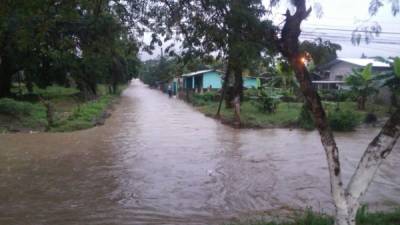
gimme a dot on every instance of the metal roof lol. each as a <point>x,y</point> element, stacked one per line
<point>356,62</point>
<point>196,73</point>
<point>364,62</point>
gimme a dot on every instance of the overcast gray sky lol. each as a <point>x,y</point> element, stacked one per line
<point>339,18</point>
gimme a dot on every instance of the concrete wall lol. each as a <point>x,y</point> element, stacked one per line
<point>212,79</point>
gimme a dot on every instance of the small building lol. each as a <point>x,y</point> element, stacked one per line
<point>202,80</point>
<point>333,74</point>
<point>212,79</point>
<point>251,82</point>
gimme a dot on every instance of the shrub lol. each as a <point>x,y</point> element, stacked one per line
<point>305,119</point>
<point>202,99</point>
<point>343,120</point>
<point>11,107</point>
<point>267,103</point>
<point>251,93</point>
<point>210,96</point>
<point>335,95</point>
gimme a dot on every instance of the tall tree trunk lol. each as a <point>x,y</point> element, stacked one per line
<point>5,85</point>
<point>361,100</point>
<point>224,87</point>
<point>237,93</point>
<point>347,199</point>
<point>5,78</point>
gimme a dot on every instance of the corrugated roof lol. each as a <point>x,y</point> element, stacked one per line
<point>196,73</point>
<point>364,62</point>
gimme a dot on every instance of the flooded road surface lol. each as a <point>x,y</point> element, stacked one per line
<point>158,161</point>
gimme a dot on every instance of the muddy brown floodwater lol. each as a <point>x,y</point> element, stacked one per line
<point>158,161</point>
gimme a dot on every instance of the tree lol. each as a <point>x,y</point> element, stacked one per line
<point>320,51</point>
<point>391,79</point>
<point>346,198</point>
<point>284,78</point>
<point>154,72</point>
<point>362,84</point>
<point>230,28</point>
<point>91,41</point>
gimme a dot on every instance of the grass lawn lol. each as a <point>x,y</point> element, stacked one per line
<point>70,112</point>
<point>310,218</point>
<point>286,114</point>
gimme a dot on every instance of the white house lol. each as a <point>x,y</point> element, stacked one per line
<point>333,74</point>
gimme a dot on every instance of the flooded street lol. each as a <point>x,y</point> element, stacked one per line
<point>158,161</point>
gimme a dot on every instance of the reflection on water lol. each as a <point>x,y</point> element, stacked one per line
<point>158,161</point>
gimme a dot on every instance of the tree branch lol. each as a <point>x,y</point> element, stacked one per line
<point>373,156</point>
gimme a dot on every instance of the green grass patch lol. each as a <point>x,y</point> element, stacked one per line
<point>18,114</point>
<point>311,218</point>
<point>84,116</point>
<point>70,112</point>
<point>287,113</point>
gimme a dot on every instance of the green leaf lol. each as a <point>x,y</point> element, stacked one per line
<point>367,72</point>
<point>396,67</point>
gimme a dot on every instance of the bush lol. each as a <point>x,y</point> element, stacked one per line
<point>11,107</point>
<point>335,95</point>
<point>343,120</point>
<point>267,103</point>
<point>251,93</point>
<point>305,119</point>
<point>203,99</point>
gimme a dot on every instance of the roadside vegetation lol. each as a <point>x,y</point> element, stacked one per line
<point>58,58</point>
<point>54,109</point>
<point>262,110</point>
<point>309,217</point>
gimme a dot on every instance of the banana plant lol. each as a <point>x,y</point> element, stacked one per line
<point>362,84</point>
<point>391,79</point>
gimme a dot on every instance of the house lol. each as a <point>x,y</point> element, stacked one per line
<point>212,79</point>
<point>251,82</point>
<point>333,74</point>
<point>202,80</point>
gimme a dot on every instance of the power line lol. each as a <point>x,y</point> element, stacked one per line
<point>349,30</point>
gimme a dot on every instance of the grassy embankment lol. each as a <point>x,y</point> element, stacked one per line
<point>310,218</point>
<point>28,113</point>
<point>286,115</point>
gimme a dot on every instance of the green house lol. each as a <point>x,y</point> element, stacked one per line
<point>212,79</point>
<point>203,79</point>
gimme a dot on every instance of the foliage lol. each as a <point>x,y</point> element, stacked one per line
<point>267,103</point>
<point>321,52</point>
<point>391,79</point>
<point>70,113</point>
<point>305,119</point>
<point>15,108</point>
<point>154,72</point>
<point>232,30</point>
<point>79,42</point>
<point>284,78</point>
<point>312,218</point>
<point>84,116</point>
<point>335,95</point>
<point>362,84</point>
<point>205,98</point>
<point>343,120</point>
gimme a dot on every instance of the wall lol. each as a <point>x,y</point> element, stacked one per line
<point>341,69</point>
<point>249,82</point>
<point>213,79</point>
